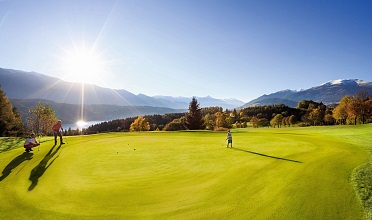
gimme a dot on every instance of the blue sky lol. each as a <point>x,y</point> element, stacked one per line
<point>225,49</point>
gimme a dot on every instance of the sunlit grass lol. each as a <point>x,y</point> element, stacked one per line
<point>288,173</point>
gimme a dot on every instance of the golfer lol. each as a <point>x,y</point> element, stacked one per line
<point>229,139</point>
<point>57,131</point>
<point>30,143</point>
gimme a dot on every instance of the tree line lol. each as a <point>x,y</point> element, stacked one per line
<point>351,110</point>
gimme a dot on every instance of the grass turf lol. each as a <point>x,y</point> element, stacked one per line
<point>288,173</point>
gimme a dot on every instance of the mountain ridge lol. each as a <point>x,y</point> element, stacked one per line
<point>330,92</point>
<point>18,84</point>
<point>71,113</point>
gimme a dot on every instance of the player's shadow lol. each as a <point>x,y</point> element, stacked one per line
<point>265,155</point>
<point>15,163</point>
<point>40,169</point>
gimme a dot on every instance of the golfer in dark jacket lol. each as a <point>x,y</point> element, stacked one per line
<point>229,139</point>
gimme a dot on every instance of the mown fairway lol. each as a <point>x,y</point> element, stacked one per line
<point>287,173</point>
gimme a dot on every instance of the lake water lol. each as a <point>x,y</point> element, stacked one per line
<point>81,125</point>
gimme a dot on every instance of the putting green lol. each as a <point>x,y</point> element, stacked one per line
<point>288,173</point>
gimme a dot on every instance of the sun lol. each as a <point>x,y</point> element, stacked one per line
<point>81,123</point>
<point>83,65</point>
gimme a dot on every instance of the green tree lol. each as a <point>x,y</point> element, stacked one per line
<point>211,110</point>
<point>177,124</point>
<point>236,115</point>
<point>292,120</point>
<point>140,124</point>
<point>316,116</point>
<point>18,127</point>
<point>194,118</point>
<point>41,118</point>
<point>10,119</point>
<point>263,122</point>
<point>328,119</point>
<point>307,104</point>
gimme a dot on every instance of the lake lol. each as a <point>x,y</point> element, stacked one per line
<point>80,125</point>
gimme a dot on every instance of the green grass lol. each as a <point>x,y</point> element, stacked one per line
<point>9,143</point>
<point>287,173</point>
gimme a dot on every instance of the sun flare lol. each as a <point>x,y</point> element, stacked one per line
<point>81,124</point>
<point>83,66</point>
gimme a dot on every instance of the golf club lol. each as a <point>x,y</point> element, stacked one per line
<point>38,148</point>
<point>64,135</point>
<point>66,139</point>
<point>224,142</point>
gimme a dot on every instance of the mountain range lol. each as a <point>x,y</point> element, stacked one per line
<point>30,85</point>
<point>329,93</point>
<point>25,89</point>
<point>71,113</point>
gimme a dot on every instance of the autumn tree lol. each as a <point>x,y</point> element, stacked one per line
<point>41,118</point>
<point>368,104</point>
<point>140,124</point>
<point>229,120</point>
<point>340,112</point>
<point>210,121</point>
<point>223,120</point>
<point>254,121</point>
<point>358,108</point>
<point>194,118</point>
<point>315,116</point>
<point>277,120</point>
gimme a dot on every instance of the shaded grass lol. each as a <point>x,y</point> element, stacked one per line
<point>10,143</point>
<point>296,173</point>
<point>362,178</point>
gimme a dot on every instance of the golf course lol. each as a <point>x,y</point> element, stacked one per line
<point>270,173</point>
